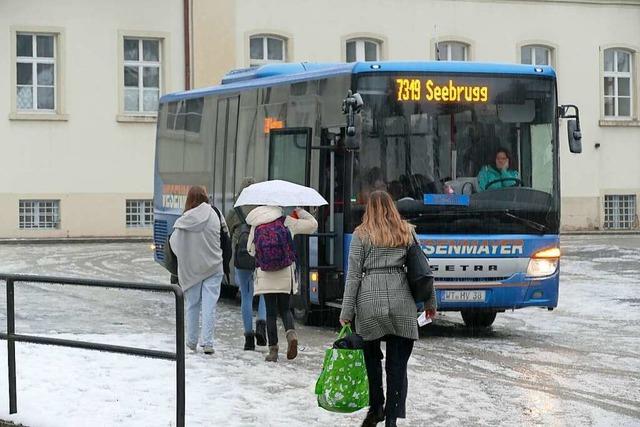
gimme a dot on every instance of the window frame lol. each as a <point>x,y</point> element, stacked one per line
<point>143,209</point>
<point>265,49</point>
<point>534,44</point>
<point>164,80</point>
<point>37,213</point>
<point>615,213</point>
<point>616,75</point>
<point>141,64</point>
<point>467,43</point>
<point>361,48</point>
<point>58,112</point>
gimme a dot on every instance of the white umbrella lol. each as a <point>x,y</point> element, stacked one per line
<point>279,193</point>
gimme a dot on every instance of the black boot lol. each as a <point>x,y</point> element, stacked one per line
<point>374,416</point>
<point>261,332</point>
<point>249,343</point>
<point>390,422</point>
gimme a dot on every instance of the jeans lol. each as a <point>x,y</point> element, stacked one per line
<point>277,303</point>
<point>398,352</point>
<point>203,295</point>
<point>244,280</point>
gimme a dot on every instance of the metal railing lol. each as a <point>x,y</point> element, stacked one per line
<point>11,337</point>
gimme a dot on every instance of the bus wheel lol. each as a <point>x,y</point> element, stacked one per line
<point>305,315</point>
<point>478,319</point>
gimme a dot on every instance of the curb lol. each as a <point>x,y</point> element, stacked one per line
<point>57,240</point>
<point>601,233</point>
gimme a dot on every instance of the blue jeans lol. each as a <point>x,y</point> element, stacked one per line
<point>203,295</point>
<point>244,280</point>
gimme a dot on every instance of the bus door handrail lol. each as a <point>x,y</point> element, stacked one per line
<point>11,337</point>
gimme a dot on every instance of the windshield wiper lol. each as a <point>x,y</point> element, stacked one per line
<point>529,223</point>
<point>532,224</point>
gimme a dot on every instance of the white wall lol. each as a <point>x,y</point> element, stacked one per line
<point>91,152</point>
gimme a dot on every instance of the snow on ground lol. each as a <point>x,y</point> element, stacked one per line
<point>578,365</point>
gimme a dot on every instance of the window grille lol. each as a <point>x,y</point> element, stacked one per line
<point>139,213</point>
<point>41,214</point>
<point>620,211</point>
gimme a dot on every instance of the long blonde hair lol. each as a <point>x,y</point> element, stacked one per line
<point>382,224</point>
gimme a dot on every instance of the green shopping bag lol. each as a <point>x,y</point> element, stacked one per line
<point>343,385</point>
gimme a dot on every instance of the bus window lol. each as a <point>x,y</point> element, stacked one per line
<point>221,132</point>
<point>289,154</point>
<point>229,173</point>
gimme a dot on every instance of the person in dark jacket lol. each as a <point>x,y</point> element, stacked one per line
<point>244,281</point>
<point>377,294</point>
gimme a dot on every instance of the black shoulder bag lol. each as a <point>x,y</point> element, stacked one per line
<point>225,245</point>
<point>419,273</point>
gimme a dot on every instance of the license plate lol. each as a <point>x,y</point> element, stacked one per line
<point>467,296</point>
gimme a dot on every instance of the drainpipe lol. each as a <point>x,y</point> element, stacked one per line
<point>187,47</point>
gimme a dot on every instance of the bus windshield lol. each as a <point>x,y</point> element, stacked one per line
<point>461,153</point>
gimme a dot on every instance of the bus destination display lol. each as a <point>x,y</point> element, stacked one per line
<point>430,90</point>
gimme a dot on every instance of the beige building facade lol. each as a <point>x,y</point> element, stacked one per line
<point>80,83</point>
<point>593,45</point>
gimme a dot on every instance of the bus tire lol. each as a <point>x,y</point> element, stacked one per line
<point>478,319</point>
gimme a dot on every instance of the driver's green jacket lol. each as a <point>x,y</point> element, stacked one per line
<point>489,174</point>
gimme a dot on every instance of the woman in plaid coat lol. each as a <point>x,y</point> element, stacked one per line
<point>377,294</point>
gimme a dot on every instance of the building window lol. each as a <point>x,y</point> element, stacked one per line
<point>535,55</point>
<point>35,72</point>
<point>362,50</point>
<point>43,214</point>
<point>620,211</point>
<point>142,62</point>
<point>617,83</point>
<point>139,213</point>
<point>265,49</point>
<point>452,51</point>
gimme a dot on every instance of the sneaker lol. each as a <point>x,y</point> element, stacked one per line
<point>192,347</point>
<point>208,350</point>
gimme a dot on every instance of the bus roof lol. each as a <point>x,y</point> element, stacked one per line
<point>274,74</point>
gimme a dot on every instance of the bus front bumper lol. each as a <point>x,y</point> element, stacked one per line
<point>501,296</point>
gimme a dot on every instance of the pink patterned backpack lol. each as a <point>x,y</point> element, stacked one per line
<point>274,246</point>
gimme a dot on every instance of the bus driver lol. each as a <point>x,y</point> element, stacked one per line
<point>492,177</point>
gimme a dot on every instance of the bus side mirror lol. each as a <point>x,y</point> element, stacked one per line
<point>351,107</point>
<point>575,136</point>
<point>573,127</point>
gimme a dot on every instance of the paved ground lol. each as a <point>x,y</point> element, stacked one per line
<point>577,365</point>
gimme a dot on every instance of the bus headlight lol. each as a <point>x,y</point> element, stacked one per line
<point>544,262</point>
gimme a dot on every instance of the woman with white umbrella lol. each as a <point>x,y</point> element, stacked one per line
<point>271,243</point>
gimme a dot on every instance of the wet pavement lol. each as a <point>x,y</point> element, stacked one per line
<point>576,365</point>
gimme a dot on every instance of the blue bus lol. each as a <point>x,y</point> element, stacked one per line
<point>423,131</point>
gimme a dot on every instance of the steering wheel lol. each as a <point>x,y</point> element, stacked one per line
<point>518,182</point>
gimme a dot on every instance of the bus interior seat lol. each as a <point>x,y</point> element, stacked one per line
<point>464,185</point>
